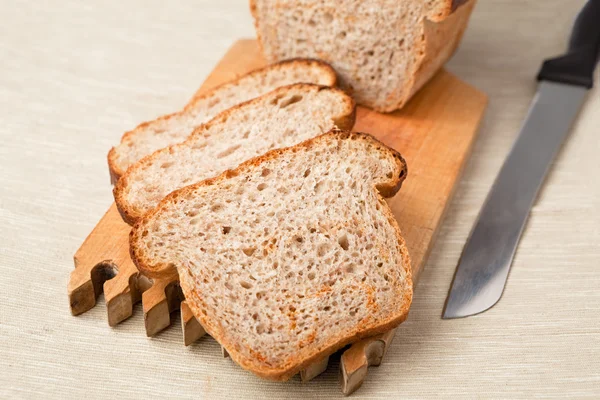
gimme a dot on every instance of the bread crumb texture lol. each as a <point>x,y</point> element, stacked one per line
<point>281,118</point>
<point>292,255</point>
<point>383,50</point>
<point>174,128</point>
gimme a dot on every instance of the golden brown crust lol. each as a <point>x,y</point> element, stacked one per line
<point>369,328</point>
<point>131,214</point>
<point>115,169</point>
<point>441,41</point>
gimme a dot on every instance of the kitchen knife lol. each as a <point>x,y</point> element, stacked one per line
<point>564,81</point>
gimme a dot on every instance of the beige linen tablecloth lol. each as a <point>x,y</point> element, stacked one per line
<point>74,75</point>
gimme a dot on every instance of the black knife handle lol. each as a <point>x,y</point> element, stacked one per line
<point>576,67</point>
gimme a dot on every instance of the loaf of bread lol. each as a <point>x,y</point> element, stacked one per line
<point>175,128</point>
<point>290,256</point>
<point>281,118</point>
<point>383,50</point>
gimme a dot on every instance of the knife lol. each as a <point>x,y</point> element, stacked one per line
<point>487,256</point>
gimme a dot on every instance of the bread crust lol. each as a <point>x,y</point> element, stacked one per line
<point>442,38</point>
<point>370,328</point>
<point>116,171</point>
<point>131,214</point>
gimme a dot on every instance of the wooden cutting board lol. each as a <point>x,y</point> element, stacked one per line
<point>434,132</point>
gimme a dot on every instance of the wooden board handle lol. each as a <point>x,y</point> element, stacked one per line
<point>102,264</point>
<point>191,328</point>
<point>356,360</point>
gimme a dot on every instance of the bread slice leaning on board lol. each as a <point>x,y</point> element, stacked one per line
<point>281,118</point>
<point>383,50</point>
<point>290,256</point>
<point>175,128</point>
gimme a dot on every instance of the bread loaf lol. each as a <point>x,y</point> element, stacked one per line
<point>383,50</point>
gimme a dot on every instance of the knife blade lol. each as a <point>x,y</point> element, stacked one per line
<point>485,262</point>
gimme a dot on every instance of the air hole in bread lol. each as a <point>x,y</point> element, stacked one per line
<point>341,35</point>
<point>307,172</point>
<point>261,187</point>
<point>265,172</point>
<point>226,230</point>
<point>229,151</point>
<point>276,99</point>
<point>343,241</point>
<point>246,134</point>
<point>327,17</point>
<point>249,251</point>
<point>311,275</point>
<point>166,164</point>
<point>319,187</point>
<point>290,100</point>
<point>246,285</point>
<point>230,173</point>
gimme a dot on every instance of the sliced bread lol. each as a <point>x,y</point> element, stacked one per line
<point>290,256</point>
<point>281,118</point>
<point>383,50</point>
<point>174,128</point>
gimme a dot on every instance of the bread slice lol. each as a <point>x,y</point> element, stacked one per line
<point>281,118</point>
<point>174,128</point>
<point>383,50</point>
<point>290,256</point>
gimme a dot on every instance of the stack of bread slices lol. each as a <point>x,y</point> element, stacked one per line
<point>272,212</point>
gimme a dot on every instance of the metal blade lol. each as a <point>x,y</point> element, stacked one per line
<point>483,268</point>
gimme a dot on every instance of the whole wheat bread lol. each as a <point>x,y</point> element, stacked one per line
<point>290,256</point>
<point>174,128</point>
<point>281,118</point>
<point>383,50</point>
